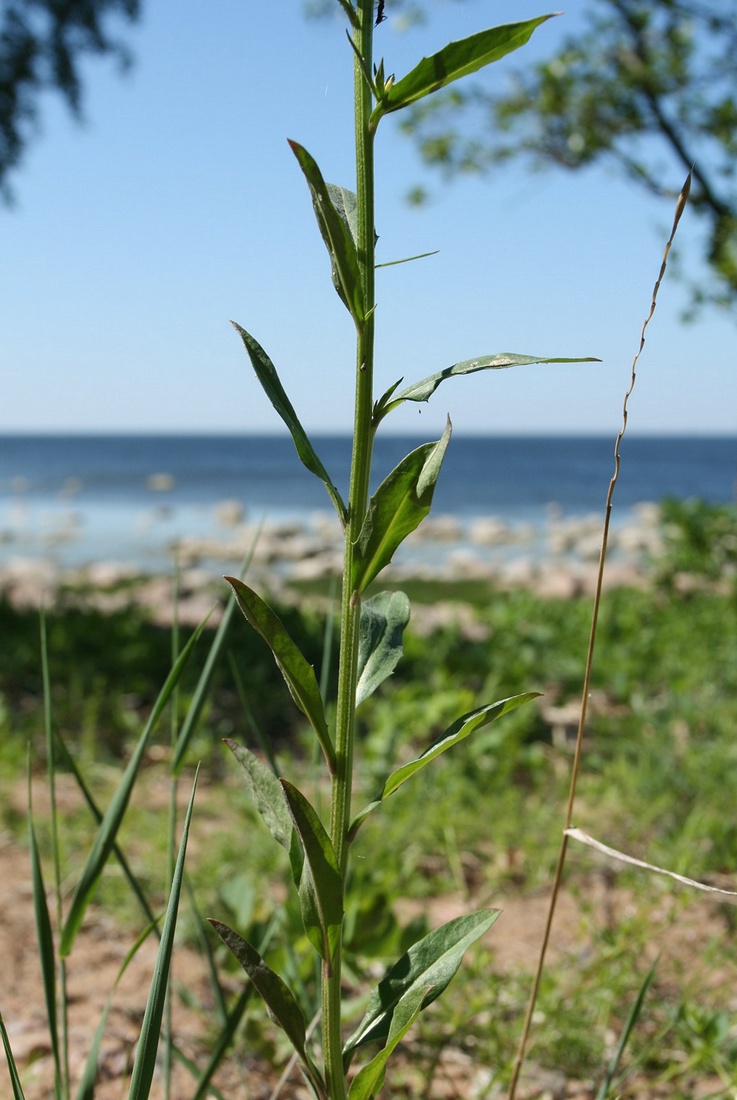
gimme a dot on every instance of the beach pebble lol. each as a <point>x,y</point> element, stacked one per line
<point>160,483</point>
<point>490,532</point>
<point>229,513</point>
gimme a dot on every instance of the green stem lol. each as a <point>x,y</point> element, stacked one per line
<point>357,504</point>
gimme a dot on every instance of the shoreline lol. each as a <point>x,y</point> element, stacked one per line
<point>559,560</point>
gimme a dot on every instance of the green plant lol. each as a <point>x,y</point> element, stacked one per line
<point>371,628</point>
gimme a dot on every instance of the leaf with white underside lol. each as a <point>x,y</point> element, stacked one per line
<point>423,390</point>
<point>383,619</point>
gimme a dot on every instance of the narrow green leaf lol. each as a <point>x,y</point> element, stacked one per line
<point>455,60</point>
<point>397,507</point>
<point>337,236</point>
<point>368,1082</point>
<point>108,829</point>
<point>429,964</point>
<point>423,391</point>
<point>148,1044</point>
<point>407,259</point>
<point>86,1090</point>
<point>268,797</point>
<point>297,672</point>
<point>201,691</point>
<point>46,954</point>
<point>460,729</point>
<point>321,887</point>
<point>269,379</point>
<point>632,1018</point>
<point>227,1030</point>
<point>71,764</point>
<point>383,619</point>
<point>279,999</point>
<point>12,1068</point>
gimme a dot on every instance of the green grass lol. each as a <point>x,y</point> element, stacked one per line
<point>483,824</point>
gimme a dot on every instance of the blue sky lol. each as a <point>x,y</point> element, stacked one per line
<point>178,205</point>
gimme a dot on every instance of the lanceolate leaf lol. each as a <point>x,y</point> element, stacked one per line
<point>297,672</point>
<point>108,829</point>
<point>320,886</point>
<point>460,729</point>
<point>455,60</point>
<point>279,998</point>
<point>368,1081</point>
<point>397,507</point>
<point>337,236</point>
<point>145,1060</point>
<point>429,964</point>
<point>383,619</point>
<point>267,794</point>
<point>423,391</point>
<point>269,379</point>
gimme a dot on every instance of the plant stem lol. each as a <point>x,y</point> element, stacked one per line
<point>357,504</point>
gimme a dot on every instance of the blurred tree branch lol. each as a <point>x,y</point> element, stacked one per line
<point>42,43</point>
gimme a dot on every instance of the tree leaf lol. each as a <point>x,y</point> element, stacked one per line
<point>423,391</point>
<point>369,1080</point>
<point>383,619</point>
<point>321,887</point>
<point>280,1001</point>
<point>337,236</point>
<point>148,1044</point>
<point>460,729</point>
<point>297,672</point>
<point>397,507</point>
<point>429,964</point>
<point>269,379</point>
<point>105,838</point>
<point>268,797</point>
<point>455,60</point>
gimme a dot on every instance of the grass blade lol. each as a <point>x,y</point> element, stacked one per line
<point>12,1068</point>
<point>632,1018</point>
<point>46,953</point>
<point>145,1061</point>
<point>105,838</point>
<point>199,696</point>
<point>86,1088</point>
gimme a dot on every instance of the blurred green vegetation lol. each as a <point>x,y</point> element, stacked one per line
<point>483,823</point>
